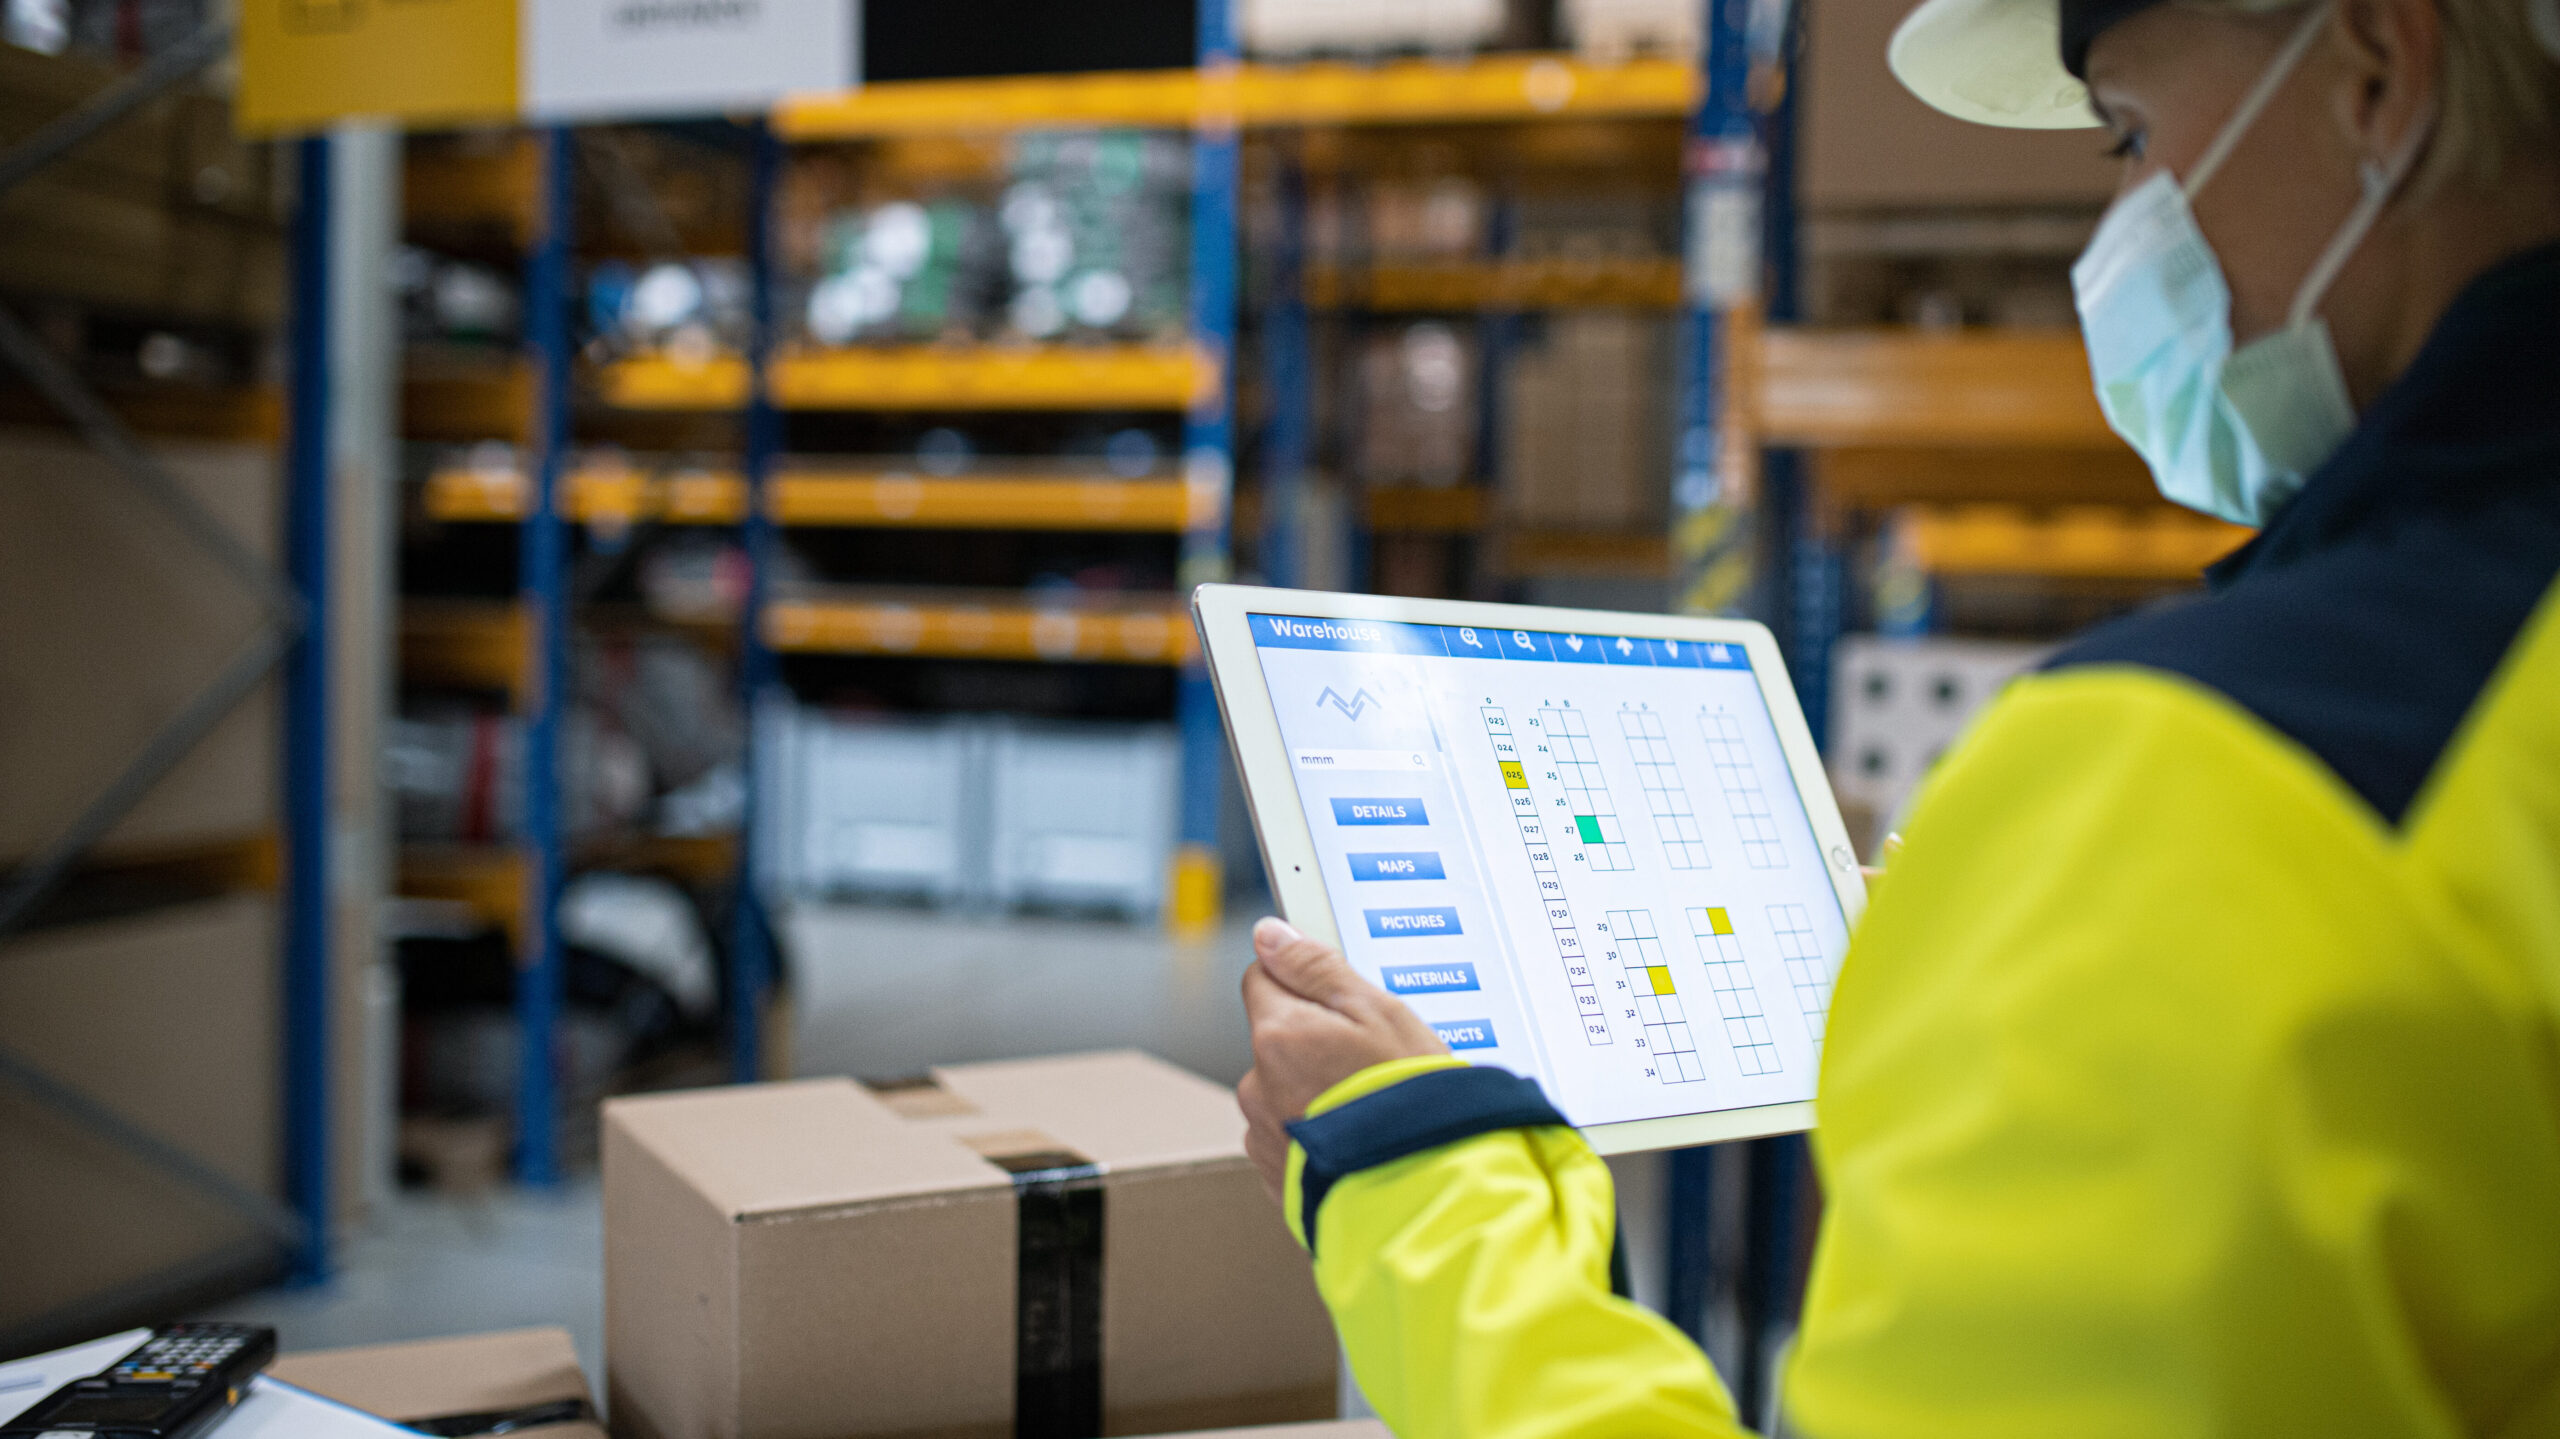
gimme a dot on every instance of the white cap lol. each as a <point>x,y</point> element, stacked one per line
<point>1993,62</point>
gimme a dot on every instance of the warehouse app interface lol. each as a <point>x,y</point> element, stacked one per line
<point>1577,856</point>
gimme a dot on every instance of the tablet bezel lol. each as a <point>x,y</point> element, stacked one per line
<point>1288,843</point>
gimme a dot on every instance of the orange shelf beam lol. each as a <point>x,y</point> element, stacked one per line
<point>814,497</point>
<point>1909,388</point>
<point>1403,92</point>
<point>1014,630</point>
<point>925,377</point>
<point>2093,542</point>
<point>1652,284</point>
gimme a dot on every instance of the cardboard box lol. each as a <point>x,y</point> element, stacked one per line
<point>109,623</point>
<point>818,1260</point>
<point>1587,426</point>
<point>169,1019</point>
<point>1868,144</point>
<point>166,213</point>
<point>504,1372</point>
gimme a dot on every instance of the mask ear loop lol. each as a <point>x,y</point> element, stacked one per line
<point>2381,183</point>
<point>2260,96</point>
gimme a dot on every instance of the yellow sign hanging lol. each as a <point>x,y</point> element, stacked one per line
<point>305,64</point>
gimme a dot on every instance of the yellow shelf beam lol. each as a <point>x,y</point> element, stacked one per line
<point>1019,629</point>
<point>464,644</point>
<point>609,492</point>
<point>1406,92</point>
<point>925,377</point>
<point>2089,542</point>
<point>1501,285</point>
<point>1987,389</point>
<point>490,878</point>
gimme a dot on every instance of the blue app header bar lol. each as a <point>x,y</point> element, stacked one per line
<point>1391,637</point>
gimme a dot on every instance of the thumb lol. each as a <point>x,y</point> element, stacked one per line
<point>1307,967</point>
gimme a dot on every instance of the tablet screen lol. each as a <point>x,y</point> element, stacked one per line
<point>1577,856</point>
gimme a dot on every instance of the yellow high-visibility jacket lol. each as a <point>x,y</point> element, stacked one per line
<point>2194,1071</point>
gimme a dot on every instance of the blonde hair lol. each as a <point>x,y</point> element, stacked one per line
<point>2501,85</point>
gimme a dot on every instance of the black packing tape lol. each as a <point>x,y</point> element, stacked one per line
<point>1057,1334</point>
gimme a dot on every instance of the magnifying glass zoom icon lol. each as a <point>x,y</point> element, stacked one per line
<point>1470,637</point>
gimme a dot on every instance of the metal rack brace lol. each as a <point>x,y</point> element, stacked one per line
<point>285,629</point>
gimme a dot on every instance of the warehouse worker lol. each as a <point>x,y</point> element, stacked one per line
<point>2196,1069</point>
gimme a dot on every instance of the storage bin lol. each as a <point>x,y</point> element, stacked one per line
<point>1083,815</point>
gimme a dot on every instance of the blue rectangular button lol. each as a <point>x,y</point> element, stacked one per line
<point>1412,923</point>
<point>1389,810</point>
<point>1579,649</point>
<point>1624,650</point>
<point>1419,864</point>
<point>1429,978</point>
<point>1466,1034</point>
<point>1466,642</point>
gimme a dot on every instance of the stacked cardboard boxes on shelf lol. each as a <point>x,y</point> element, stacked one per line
<point>109,621</point>
<point>1587,425</point>
<point>170,1019</point>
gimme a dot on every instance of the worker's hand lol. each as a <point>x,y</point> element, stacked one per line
<point>1316,1023</point>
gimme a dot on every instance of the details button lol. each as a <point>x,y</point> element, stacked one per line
<point>1379,811</point>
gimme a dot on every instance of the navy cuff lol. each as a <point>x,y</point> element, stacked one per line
<point>1437,1107</point>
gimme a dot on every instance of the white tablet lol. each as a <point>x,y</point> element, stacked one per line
<point>1594,848</point>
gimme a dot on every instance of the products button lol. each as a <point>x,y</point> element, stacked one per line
<point>1466,1034</point>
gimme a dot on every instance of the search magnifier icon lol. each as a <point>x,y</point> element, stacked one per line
<point>1470,637</point>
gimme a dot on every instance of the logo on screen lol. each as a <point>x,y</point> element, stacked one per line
<point>1351,708</point>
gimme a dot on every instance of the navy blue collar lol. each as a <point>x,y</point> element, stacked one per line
<point>2476,415</point>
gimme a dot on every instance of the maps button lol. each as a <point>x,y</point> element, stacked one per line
<point>1379,811</point>
<point>1421,864</point>
<point>1429,978</point>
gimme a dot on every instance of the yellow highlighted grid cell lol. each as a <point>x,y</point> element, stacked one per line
<point>1661,976</point>
<point>1722,921</point>
<point>1514,777</point>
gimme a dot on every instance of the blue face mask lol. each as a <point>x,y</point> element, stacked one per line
<point>2233,433</point>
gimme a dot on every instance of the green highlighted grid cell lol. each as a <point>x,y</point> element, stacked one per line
<point>1586,789</point>
<point>1542,862</point>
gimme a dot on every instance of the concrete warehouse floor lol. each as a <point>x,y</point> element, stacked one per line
<point>877,992</point>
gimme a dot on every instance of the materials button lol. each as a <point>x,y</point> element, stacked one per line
<point>1429,978</point>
